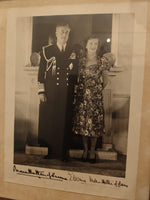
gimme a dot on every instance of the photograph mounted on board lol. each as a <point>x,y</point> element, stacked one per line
<point>72,109</point>
<point>74,92</point>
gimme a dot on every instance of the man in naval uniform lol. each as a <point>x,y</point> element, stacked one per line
<point>57,76</point>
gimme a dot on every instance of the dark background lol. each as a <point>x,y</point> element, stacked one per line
<point>82,26</point>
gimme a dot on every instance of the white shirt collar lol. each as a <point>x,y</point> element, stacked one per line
<point>60,46</point>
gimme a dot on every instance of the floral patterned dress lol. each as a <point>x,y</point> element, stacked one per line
<point>89,112</point>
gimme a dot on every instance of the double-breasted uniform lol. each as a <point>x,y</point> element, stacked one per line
<point>57,77</point>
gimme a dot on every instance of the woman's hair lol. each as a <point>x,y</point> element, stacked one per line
<point>86,41</point>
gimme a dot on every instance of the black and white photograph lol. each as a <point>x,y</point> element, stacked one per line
<point>74,82</point>
<point>64,124</point>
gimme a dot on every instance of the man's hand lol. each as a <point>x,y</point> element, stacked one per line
<point>42,97</point>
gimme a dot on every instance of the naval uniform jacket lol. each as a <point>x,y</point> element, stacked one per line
<point>57,75</point>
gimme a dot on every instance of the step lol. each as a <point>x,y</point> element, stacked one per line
<point>100,154</point>
<point>106,147</point>
<point>36,150</point>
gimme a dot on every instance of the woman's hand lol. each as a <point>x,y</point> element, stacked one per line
<point>108,61</point>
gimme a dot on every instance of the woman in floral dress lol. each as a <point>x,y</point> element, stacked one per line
<point>89,111</point>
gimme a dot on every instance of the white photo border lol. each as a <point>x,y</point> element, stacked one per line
<point>139,9</point>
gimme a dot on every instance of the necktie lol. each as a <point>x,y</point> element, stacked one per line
<point>63,49</point>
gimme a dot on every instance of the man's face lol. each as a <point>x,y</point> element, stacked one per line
<point>62,34</point>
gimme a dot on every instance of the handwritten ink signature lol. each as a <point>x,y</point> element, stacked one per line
<point>108,182</point>
<point>73,177</point>
<point>70,177</point>
<point>39,174</point>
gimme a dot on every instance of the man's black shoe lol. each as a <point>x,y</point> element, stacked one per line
<point>47,157</point>
<point>65,159</point>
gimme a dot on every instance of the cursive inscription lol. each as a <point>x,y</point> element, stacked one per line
<point>117,184</point>
<point>73,177</point>
<point>39,174</point>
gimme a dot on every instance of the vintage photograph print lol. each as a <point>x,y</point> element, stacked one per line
<point>72,115</point>
<point>71,93</point>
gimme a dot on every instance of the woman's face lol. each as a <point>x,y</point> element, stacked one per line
<point>92,45</point>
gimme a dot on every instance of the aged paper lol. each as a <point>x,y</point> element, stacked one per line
<point>99,185</point>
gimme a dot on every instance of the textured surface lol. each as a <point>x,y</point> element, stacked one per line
<point>101,167</point>
<point>16,191</point>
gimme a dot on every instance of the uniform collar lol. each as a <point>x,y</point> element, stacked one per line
<point>61,46</point>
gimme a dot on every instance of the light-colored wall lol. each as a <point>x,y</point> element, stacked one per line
<point>121,83</point>
<point>122,35</point>
<point>22,81</point>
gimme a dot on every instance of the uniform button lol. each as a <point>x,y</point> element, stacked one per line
<point>67,68</point>
<point>57,83</point>
<point>67,79</point>
<point>67,73</point>
<point>58,68</point>
<point>57,78</point>
<point>67,84</point>
<point>57,72</point>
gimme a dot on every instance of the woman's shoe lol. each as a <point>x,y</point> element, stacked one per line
<point>92,160</point>
<point>84,157</point>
